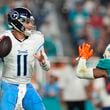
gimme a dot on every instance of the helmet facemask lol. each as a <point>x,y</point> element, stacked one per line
<point>24,20</point>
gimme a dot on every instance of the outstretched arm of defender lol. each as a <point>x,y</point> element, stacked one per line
<point>82,71</point>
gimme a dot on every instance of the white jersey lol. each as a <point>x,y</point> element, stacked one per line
<point>19,64</point>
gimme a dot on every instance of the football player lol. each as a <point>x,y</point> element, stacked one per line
<point>102,68</point>
<point>16,91</point>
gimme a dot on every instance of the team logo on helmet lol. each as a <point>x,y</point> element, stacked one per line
<point>14,15</point>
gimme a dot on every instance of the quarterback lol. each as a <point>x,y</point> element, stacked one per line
<point>16,91</point>
<point>102,69</point>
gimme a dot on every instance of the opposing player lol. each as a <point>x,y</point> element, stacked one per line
<point>16,92</point>
<point>102,69</point>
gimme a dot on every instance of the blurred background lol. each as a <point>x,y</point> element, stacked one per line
<point>66,24</point>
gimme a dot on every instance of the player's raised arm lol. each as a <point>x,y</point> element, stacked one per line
<point>85,52</point>
<point>43,59</point>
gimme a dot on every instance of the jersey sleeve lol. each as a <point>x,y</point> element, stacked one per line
<point>40,44</point>
<point>105,65</point>
<point>40,47</point>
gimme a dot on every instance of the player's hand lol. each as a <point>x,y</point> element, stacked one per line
<point>85,51</point>
<point>40,57</point>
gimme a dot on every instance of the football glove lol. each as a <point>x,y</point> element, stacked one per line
<point>85,51</point>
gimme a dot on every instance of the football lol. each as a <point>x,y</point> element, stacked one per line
<point>5,46</point>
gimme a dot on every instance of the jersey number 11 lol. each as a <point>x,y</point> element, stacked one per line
<point>21,65</point>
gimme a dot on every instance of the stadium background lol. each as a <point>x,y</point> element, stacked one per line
<point>67,24</point>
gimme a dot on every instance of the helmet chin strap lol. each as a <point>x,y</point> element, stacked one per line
<point>27,32</point>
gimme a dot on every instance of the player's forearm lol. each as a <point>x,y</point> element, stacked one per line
<point>98,73</point>
<point>45,65</point>
<point>89,73</point>
<point>83,71</point>
<point>43,60</point>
